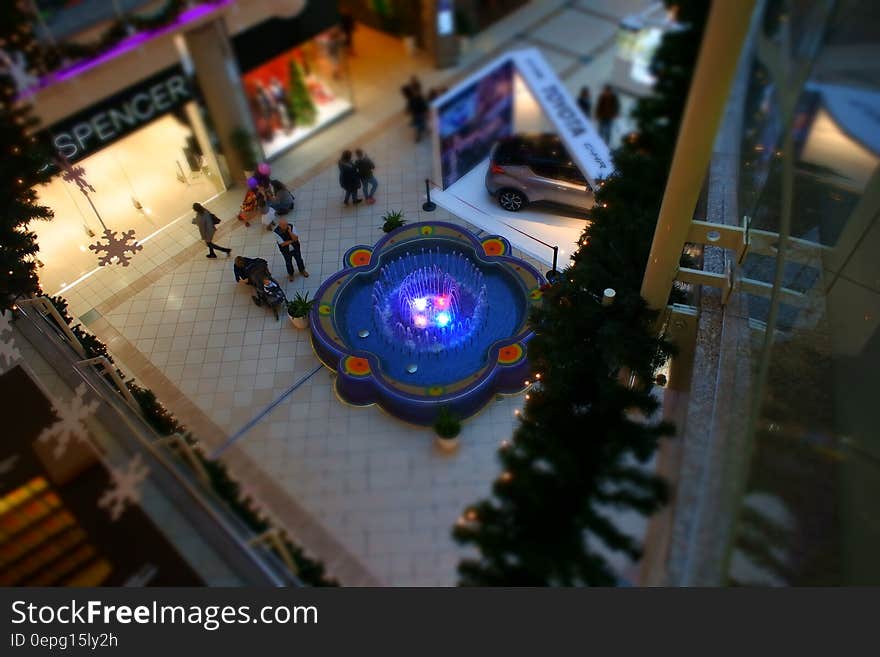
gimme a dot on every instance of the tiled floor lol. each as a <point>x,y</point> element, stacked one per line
<point>370,487</point>
<point>580,32</point>
<point>377,484</point>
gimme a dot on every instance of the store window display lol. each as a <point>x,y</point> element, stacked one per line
<point>298,92</point>
<point>143,181</point>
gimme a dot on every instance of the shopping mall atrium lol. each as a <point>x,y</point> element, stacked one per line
<point>511,293</point>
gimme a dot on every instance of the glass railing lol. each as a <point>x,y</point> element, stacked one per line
<point>175,502</point>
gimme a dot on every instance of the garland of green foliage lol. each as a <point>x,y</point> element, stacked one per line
<point>52,57</point>
<point>227,489</point>
<point>579,452</point>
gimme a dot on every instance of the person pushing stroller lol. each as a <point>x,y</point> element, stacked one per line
<point>255,272</point>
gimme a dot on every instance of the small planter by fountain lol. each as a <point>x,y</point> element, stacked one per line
<point>431,317</point>
<point>447,427</point>
<point>393,220</point>
<point>298,310</point>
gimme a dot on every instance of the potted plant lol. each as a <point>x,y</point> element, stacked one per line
<point>243,143</point>
<point>298,309</point>
<point>393,219</point>
<point>447,426</point>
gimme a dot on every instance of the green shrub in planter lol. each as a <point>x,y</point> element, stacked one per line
<point>393,220</point>
<point>447,425</point>
<point>243,142</point>
<point>300,305</point>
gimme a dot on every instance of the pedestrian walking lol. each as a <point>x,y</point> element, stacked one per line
<point>408,90</point>
<point>288,244</point>
<point>418,109</point>
<point>207,223</point>
<point>365,168</point>
<point>585,102</point>
<point>607,109</point>
<point>349,179</point>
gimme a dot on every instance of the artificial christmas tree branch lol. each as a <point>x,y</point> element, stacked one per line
<point>22,159</point>
<point>581,451</point>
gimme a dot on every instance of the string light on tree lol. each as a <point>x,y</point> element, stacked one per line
<point>23,162</point>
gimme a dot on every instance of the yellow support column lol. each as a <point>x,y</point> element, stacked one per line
<point>724,35</point>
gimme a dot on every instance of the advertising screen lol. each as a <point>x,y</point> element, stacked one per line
<point>472,121</point>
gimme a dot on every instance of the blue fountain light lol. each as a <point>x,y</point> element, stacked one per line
<point>430,301</point>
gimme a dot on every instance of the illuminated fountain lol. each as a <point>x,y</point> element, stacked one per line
<point>430,316</point>
<point>430,301</point>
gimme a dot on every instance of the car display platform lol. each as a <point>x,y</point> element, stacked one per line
<point>534,230</point>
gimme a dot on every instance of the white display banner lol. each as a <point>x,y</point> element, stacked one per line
<point>588,150</point>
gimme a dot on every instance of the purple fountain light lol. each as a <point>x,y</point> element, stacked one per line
<point>429,301</point>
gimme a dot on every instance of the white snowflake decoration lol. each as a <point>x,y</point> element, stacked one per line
<point>8,351</point>
<point>8,464</point>
<point>16,66</point>
<point>70,423</point>
<point>125,487</point>
<point>117,248</point>
<point>143,576</point>
<point>75,174</point>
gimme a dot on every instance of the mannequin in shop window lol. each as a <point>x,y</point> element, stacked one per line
<point>265,104</point>
<point>279,98</point>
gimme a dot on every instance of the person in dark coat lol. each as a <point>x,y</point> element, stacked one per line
<point>607,109</point>
<point>250,270</point>
<point>408,91</point>
<point>418,109</point>
<point>585,102</point>
<point>349,179</point>
<point>365,168</point>
<point>205,220</point>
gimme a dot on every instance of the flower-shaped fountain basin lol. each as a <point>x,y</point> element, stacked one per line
<point>430,316</point>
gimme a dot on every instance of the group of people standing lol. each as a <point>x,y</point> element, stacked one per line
<point>356,172</point>
<point>266,198</point>
<point>607,109</point>
<point>273,201</point>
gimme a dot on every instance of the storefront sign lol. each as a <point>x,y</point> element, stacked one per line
<point>587,148</point>
<point>93,129</point>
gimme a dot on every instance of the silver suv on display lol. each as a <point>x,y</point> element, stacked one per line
<point>527,169</point>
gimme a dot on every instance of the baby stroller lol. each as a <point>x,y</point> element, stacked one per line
<point>267,291</point>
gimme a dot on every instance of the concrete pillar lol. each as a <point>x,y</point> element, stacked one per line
<point>724,35</point>
<point>220,84</point>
